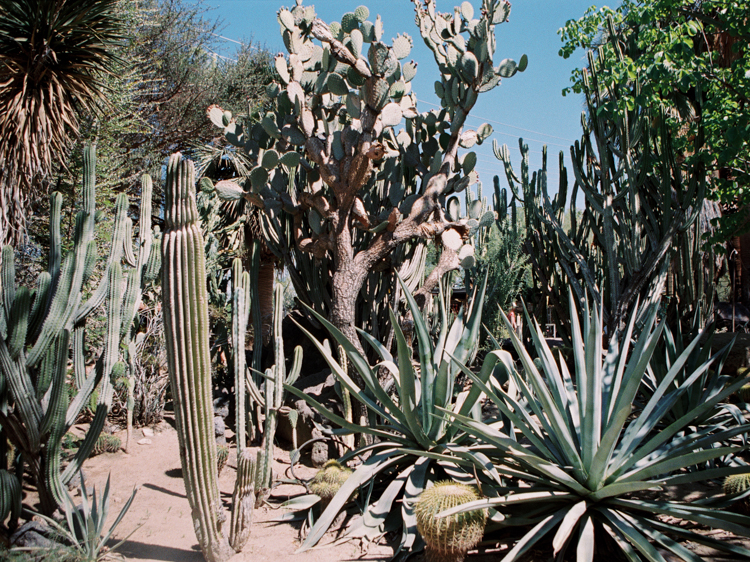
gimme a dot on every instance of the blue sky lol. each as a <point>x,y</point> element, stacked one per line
<point>528,105</point>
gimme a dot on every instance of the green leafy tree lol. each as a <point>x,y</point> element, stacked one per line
<point>692,59</point>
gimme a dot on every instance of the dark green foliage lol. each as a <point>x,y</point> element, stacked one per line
<point>691,58</point>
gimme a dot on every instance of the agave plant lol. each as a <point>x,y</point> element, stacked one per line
<point>710,383</point>
<point>414,442</point>
<point>586,454</point>
<point>84,524</point>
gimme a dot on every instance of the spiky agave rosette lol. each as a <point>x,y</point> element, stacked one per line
<point>448,539</point>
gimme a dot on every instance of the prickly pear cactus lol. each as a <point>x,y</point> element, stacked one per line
<point>351,177</point>
<point>448,539</point>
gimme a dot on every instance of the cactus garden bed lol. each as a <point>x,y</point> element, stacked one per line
<point>160,512</point>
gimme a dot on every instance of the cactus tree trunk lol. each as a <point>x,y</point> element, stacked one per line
<point>187,334</point>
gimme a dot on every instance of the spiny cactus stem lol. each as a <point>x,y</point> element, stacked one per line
<point>243,500</point>
<point>187,331</point>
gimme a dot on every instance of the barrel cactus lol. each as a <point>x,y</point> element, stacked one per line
<point>448,539</point>
<point>106,443</point>
<point>328,480</point>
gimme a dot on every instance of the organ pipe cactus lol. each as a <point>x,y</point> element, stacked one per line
<point>351,178</point>
<point>187,336</point>
<point>641,206</point>
<point>38,328</point>
<point>272,400</point>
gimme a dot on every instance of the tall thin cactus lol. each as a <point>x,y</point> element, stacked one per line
<point>39,328</point>
<point>187,331</point>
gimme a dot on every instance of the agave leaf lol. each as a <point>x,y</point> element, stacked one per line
<point>630,438</point>
<point>415,485</point>
<point>585,549</point>
<point>376,514</point>
<point>732,522</point>
<point>708,474</point>
<point>678,425</point>
<point>534,535</point>
<point>547,409</point>
<point>647,529</point>
<point>633,535</point>
<point>363,368</point>
<point>568,525</point>
<point>701,539</point>
<point>301,503</point>
<point>619,488</point>
<point>338,420</point>
<point>673,463</point>
<point>376,345</point>
<point>525,423</point>
<point>408,398</point>
<point>426,359</point>
<point>366,471</point>
<point>521,455</point>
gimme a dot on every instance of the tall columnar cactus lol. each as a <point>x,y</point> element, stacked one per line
<point>38,329</point>
<point>272,400</point>
<point>641,205</point>
<point>351,178</point>
<point>187,335</point>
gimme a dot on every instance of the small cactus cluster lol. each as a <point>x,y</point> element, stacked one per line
<point>448,539</point>
<point>329,479</point>
<point>222,455</point>
<point>106,443</point>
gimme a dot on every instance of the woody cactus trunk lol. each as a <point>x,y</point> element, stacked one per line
<point>352,179</point>
<point>187,337</point>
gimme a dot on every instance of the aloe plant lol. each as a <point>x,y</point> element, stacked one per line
<point>84,524</point>
<point>585,452</point>
<point>414,439</point>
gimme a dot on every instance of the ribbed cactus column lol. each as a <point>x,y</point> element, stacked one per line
<point>187,335</point>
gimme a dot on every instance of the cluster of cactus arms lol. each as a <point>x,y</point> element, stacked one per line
<point>187,332</point>
<point>39,327</point>
<point>641,205</point>
<point>272,400</point>
<point>352,179</point>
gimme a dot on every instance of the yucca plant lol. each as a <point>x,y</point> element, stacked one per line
<point>414,443</point>
<point>586,453</point>
<point>53,55</point>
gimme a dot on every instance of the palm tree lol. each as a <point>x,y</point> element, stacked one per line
<point>53,54</point>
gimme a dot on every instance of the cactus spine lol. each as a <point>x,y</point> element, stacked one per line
<point>187,331</point>
<point>38,333</point>
<point>448,539</point>
<point>187,335</point>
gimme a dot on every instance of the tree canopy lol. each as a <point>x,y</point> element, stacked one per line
<point>689,58</point>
